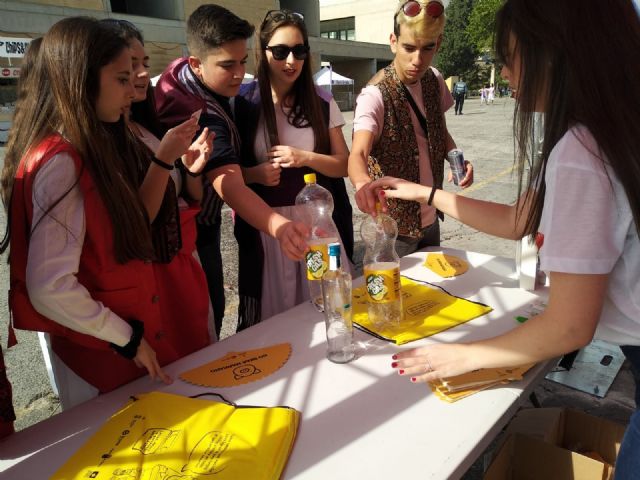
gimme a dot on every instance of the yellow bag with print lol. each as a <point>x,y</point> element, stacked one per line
<point>160,436</point>
<point>427,310</point>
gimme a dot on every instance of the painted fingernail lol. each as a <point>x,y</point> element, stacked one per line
<point>394,364</point>
<point>394,357</point>
<point>401,372</point>
<point>413,379</point>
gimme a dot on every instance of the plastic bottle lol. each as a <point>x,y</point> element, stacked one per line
<point>382,270</point>
<point>315,209</point>
<point>336,289</point>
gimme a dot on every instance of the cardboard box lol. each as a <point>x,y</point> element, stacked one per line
<point>559,444</point>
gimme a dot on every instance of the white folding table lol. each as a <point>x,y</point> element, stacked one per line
<point>359,420</point>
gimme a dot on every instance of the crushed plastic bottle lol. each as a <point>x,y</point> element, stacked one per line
<point>315,207</point>
<point>382,270</point>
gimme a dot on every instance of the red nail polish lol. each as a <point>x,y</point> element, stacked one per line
<point>413,379</point>
<point>394,364</point>
<point>401,372</point>
<point>394,357</point>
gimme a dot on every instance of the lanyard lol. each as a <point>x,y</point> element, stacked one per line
<point>421,118</point>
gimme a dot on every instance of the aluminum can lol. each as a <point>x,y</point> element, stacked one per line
<point>456,161</point>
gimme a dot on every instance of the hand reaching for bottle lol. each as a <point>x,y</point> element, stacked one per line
<point>293,239</point>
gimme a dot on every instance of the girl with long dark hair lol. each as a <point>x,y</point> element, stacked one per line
<point>295,128</point>
<point>80,238</point>
<point>582,199</point>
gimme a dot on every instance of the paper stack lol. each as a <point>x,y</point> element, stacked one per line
<point>455,388</point>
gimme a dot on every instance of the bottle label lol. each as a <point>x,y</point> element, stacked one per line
<point>383,286</point>
<point>317,260</point>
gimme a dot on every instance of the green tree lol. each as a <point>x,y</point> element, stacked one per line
<point>457,54</point>
<point>482,23</point>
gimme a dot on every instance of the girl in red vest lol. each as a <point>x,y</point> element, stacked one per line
<point>80,239</point>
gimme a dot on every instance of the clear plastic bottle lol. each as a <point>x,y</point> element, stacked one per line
<point>336,288</point>
<point>315,207</point>
<point>382,270</point>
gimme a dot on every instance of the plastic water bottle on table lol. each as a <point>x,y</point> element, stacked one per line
<point>336,288</point>
<point>315,209</point>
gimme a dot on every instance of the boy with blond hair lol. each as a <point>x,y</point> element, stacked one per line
<point>399,127</point>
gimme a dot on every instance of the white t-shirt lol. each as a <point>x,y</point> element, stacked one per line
<point>302,138</point>
<point>588,228</point>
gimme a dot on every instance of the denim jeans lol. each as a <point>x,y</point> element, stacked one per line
<point>628,462</point>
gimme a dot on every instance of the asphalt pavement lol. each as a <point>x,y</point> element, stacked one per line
<point>484,132</point>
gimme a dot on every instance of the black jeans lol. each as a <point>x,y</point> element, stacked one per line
<point>632,353</point>
<point>208,244</point>
<point>459,102</point>
<point>429,237</point>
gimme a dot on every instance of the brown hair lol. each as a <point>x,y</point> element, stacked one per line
<point>306,107</point>
<point>63,87</point>
<point>580,78</point>
<point>211,26</point>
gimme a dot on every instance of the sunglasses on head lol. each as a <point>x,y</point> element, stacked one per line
<point>282,15</point>
<point>280,52</point>
<point>434,8</point>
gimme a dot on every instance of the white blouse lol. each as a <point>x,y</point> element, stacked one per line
<point>54,257</point>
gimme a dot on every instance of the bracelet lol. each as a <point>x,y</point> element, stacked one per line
<point>191,174</point>
<point>130,350</point>
<point>160,163</point>
<point>433,192</point>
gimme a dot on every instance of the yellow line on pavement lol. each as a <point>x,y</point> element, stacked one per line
<point>477,186</point>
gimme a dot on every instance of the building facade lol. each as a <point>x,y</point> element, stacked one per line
<point>163,25</point>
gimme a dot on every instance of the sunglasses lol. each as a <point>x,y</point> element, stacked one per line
<point>283,15</point>
<point>280,52</point>
<point>434,8</point>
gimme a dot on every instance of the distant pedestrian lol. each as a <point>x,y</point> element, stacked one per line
<point>459,93</point>
<point>490,94</point>
<point>483,96</point>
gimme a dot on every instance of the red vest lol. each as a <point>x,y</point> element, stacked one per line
<point>129,290</point>
<point>182,285</point>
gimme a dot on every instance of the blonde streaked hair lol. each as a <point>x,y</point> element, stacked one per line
<point>423,25</point>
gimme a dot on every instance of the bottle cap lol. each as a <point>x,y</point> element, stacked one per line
<point>334,249</point>
<point>310,178</point>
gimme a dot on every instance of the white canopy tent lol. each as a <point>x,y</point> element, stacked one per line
<point>327,78</point>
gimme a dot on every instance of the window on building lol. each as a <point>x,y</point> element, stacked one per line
<point>339,28</point>
<point>168,9</point>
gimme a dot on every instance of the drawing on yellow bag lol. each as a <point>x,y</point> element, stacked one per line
<point>159,436</point>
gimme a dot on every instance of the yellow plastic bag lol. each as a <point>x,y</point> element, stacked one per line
<point>160,436</point>
<point>427,310</point>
